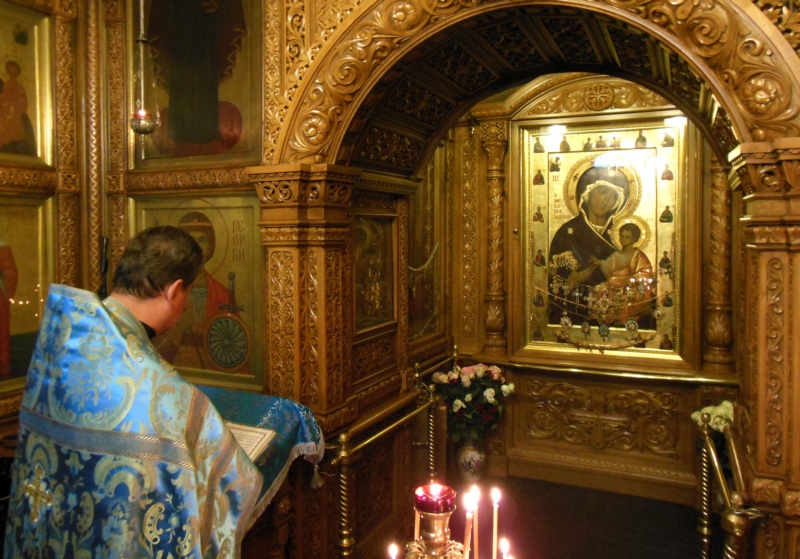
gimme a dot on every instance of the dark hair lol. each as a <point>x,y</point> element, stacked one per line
<point>155,258</point>
<point>634,229</point>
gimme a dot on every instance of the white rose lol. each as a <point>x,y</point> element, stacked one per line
<point>507,389</point>
<point>497,373</point>
<point>721,415</point>
<point>468,398</point>
<point>489,395</point>
<point>457,405</point>
<point>466,381</point>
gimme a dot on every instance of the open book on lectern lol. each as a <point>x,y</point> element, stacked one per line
<point>253,440</point>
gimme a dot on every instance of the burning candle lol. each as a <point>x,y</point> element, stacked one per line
<point>504,548</point>
<point>416,524</point>
<point>469,506</point>
<point>434,498</point>
<point>393,551</point>
<point>476,492</point>
<point>495,506</point>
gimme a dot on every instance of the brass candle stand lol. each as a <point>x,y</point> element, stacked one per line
<point>434,538</point>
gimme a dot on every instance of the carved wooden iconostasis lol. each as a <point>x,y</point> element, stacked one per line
<point>361,275</point>
<point>607,363</point>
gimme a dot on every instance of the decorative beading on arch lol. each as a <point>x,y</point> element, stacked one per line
<point>737,53</point>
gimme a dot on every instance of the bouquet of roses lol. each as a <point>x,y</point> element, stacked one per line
<point>474,397</point>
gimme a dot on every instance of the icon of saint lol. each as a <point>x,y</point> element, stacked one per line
<point>184,345</point>
<point>16,129</point>
<point>8,287</point>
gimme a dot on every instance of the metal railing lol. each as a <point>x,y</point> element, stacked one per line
<point>348,449</point>
<point>736,518</point>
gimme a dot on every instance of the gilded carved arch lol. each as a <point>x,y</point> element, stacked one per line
<point>732,45</point>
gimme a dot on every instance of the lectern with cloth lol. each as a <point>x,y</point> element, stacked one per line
<point>296,432</point>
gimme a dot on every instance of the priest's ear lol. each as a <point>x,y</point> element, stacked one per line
<point>176,291</point>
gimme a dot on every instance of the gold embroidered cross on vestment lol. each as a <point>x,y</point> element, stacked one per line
<point>38,494</point>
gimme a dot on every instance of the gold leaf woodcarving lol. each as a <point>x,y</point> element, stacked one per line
<point>785,18</point>
<point>732,50</point>
<point>602,418</point>
<point>742,60</point>
<point>282,316</point>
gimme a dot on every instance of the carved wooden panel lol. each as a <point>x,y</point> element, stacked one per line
<point>603,432</point>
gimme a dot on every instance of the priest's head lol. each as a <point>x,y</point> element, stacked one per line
<point>155,275</point>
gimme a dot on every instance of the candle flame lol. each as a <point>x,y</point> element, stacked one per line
<point>393,551</point>
<point>476,491</point>
<point>495,495</point>
<point>469,502</point>
<point>504,546</point>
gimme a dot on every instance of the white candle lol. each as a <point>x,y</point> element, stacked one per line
<point>495,506</point>
<point>476,492</point>
<point>469,505</point>
<point>504,548</point>
<point>416,525</point>
<point>393,551</point>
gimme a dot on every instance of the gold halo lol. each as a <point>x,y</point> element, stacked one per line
<point>577,170</point>
<point>217,221</point>
<point>647,233</point>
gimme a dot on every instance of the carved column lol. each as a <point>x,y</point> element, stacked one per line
<point>494,139</point>
<point>68,190</point>
<point>718,328</point>
<point>770,402</point>
<point>308,300</point>
<point>116,112</point>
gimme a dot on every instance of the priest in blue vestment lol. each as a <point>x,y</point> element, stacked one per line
<point>118,455</point>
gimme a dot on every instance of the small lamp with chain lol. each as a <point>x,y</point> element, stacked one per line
<point>142,121</point>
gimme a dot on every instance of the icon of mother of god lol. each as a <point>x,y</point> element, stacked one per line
<point>601,194</point>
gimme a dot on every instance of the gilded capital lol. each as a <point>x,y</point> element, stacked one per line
<point>494,132</point>
<point>311,193</point>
